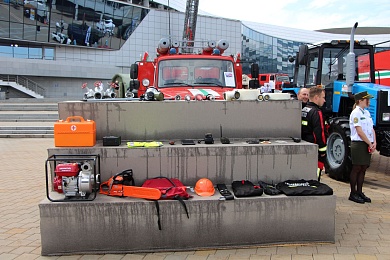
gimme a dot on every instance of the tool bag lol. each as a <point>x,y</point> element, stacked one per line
<point>245,188</point>
<point>114,185</point>
<point>223,190</point>
<point>170,188</point>
<point>269,189</point>
<point>304,188</point>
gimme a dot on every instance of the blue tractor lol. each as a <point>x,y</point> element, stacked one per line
<point>336,65</point>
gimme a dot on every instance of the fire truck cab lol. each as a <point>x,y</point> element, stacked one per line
<point>190,76</point>
<point>274,80</point>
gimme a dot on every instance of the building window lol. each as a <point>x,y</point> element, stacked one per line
<point>93,23</point>
<point>23,51</point>
<point>269,52</point>
<point>49,53</point>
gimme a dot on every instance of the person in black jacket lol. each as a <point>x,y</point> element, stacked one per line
<point>314,128</point>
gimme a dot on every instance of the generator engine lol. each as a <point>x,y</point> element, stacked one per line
<point>75,179</point>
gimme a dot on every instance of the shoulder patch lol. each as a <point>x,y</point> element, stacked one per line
<point>355,120</point>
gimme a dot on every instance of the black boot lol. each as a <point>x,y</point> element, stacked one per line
<point>364,197</point>
<point>356,198</point>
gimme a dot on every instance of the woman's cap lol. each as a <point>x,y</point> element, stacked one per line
<point>363,95</point>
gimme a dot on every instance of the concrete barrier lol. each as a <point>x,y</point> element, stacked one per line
<point>166,120</point>
<point>125,225</point>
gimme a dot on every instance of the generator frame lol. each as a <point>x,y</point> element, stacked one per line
<point>54,159</point>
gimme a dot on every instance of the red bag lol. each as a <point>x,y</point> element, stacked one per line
<point>171,188</point>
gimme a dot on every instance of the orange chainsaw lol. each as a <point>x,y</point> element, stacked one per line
<point>122,185</point>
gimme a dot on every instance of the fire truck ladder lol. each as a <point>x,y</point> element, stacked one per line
<point>190,26</point>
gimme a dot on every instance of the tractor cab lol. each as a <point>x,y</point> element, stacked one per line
<point>325,64</point>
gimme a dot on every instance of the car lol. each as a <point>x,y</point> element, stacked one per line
<point>84,34</point>
<point>60,37</point>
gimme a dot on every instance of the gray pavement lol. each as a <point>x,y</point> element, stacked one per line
<point>362,231</point>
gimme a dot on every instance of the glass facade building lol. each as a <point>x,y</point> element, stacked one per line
<point>92,23</point>
<point>61,44</point>
<point>271,53</point>
<point>39,26</point>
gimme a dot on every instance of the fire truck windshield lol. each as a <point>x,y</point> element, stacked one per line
<point>196,73</point>
<point>282,78</point>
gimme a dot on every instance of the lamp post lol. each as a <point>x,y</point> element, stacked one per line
<point>13,46</point>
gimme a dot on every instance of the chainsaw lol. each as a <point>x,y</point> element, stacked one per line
<point>122,185</point>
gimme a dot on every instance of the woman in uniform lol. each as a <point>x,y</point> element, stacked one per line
<point>363,144</point>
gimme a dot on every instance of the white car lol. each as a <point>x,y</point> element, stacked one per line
<point>60,37</point>
<point>106,26</point>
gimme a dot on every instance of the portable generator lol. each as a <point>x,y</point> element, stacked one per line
<point>74,179</point>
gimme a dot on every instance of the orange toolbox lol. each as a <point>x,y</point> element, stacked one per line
<point>74,131</point>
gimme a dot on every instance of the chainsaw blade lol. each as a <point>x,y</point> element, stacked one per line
<point>141,192</point>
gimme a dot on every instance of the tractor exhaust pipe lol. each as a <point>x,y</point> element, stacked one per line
<point>350,76</point>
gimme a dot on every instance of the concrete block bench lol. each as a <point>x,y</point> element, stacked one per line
<point>126,225</point>
<point>221,163</point>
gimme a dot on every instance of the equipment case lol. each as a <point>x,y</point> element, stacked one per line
<point>111,140</point>
<point>74,131</point>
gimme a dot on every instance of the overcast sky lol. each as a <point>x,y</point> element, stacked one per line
<point>303,14</point>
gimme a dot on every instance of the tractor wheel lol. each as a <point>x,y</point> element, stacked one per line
<point>338,155</point>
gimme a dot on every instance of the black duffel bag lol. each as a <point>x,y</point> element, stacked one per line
<point>304,188</point>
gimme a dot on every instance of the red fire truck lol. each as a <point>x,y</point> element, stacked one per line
<point>274,80</point>
<point>205,74</point>
<point>382,67</point>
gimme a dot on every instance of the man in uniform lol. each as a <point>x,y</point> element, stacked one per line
<point>314,128</point>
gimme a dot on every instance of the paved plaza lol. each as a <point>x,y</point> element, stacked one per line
<point>362,231</point>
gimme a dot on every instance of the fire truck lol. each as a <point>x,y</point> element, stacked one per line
<point>382,67</point>
<point>274,80</point>
<point>175,75</point>
<point>190,70</point>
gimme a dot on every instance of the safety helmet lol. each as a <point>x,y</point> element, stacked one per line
<point>204,187</point>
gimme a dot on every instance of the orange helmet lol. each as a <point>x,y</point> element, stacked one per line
<point>204,187</point>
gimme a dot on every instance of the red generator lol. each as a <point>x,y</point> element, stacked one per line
<point>74,178</point>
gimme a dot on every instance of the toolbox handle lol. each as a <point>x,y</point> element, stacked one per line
<point>80,118</point>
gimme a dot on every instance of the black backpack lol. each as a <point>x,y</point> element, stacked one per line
<point>246,188</point>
